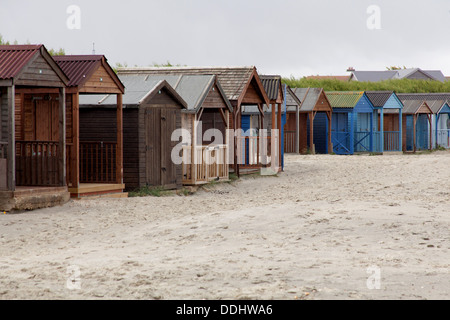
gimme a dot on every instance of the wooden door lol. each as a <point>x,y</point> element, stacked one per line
<point>46,125</point>
<point>159,125</point>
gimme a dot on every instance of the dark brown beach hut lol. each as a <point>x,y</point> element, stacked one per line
<point>32,133</point>
<point>94,141</point>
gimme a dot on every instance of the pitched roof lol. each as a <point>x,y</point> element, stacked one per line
<point>374,76</point>
<point>379,98</point>
<point>14,58</point>
<point>308,97</point>
<point>79,68</point>
<point>193,89</point>
<point>232,79</point>
<point>344,99</point>
<point>434,100</point>
<point>413,106</point>
<point>292,101</point>
<point>272,85</point>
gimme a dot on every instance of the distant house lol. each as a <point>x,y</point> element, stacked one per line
<point>411,73</point>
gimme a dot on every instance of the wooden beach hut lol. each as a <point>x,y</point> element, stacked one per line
<point>94,141</point>
<point>387,129</point>
<point>199,106</point>
<point>439,104</point>
<point>352,122</point>
<point>292,126</point>
<point>315,116</point>
<point>151,112</point>
<point>32,129</point>
<point>417,125</point>
<point>243,87</point>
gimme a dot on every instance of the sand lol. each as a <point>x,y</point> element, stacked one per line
<point>328,227</point>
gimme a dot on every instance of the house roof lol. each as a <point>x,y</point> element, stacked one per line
<point>13,58</point>
<point>232,79</point>
<point>379,98</point>
<point>374,76</point>
<point>193,89</point>
<point>344,99</point>
<point>79,68</point>
<point>292,101</point>
<point>272,85</point>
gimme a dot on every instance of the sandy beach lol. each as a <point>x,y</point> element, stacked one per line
<point>316,231</point>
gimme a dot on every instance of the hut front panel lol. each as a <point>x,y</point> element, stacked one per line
<point>98,145</point>
<point>39,73</point>
<point>253,94</point>
<point>211,119</point>
<point>289,132</point>
<point>100,81</point>
<point>303,134</point>
<point>3,115</point>
<point>320,133</point>
<point>214,99</point>
<point>130,148</point>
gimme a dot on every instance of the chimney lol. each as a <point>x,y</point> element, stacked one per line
<point>350,69</point>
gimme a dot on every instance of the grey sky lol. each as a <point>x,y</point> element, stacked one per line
<point>287,37</point>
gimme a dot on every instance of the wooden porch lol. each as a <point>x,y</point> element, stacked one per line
<point>210,163</point>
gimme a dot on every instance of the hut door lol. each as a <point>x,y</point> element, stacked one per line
<point>46,120</point>
<point>159,125</point>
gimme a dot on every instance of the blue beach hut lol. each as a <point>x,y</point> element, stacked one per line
<point>352,122</point>
<point>387,130</point>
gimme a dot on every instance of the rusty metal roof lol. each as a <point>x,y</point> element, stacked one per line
<point>14,57</point>
<point>80,67</point>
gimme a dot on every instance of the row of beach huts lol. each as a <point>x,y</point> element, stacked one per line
<point>71,126</point>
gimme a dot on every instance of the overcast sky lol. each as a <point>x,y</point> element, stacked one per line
<point>287,37</point>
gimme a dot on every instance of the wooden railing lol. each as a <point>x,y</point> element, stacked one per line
<point>289,141</point>
<point>37,163</point>
<point>251,153</point>
<point>98,162</point>
<point>392,141</point>
<point>209,163</point>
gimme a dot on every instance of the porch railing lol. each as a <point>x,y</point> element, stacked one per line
<point>341,142</point>
<point>209,163</point>
<point>392,141</point>
<point>254,152</point>
<point>362,141</point>
<point>289,141</point>
<point>98,162</point>
<point>37,163</point>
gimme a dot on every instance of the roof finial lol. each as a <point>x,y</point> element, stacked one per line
<point>93,47</point>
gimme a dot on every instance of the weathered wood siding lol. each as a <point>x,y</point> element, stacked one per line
<point>100,81</point>
<point>39,73</point>
<point>131,148</point>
